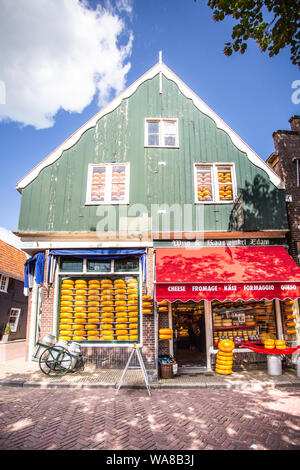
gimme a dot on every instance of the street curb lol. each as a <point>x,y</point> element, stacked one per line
<point>156,386</point>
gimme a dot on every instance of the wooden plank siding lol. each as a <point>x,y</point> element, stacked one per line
<point>55,200</point>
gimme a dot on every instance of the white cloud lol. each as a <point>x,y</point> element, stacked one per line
<point>57,54</point>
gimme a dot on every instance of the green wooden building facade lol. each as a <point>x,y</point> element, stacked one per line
<point>131,177</point>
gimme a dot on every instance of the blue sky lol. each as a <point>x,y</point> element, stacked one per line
<point>250,92</point>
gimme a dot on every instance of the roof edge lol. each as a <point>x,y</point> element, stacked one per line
<point>186,91</point>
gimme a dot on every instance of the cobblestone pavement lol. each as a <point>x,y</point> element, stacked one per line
<point>69,419</point>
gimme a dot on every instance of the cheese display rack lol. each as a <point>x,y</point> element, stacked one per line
<point>243,321</point>
<point>290,320</point>
<point>99,309</point>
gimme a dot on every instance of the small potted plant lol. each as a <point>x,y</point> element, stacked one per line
<point>6,333</point>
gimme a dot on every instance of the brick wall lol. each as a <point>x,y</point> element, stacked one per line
<point>287,147</point>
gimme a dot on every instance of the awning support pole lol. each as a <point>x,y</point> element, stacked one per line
<point>208,332</point>
<point>170,321</point>
<point>278,319</point>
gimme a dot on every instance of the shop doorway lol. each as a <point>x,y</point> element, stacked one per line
<point>189,338</point>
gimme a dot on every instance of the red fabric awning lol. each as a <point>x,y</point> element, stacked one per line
<point>225,273</point>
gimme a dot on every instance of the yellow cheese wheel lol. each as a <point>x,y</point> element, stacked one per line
<point>66,297</point>
<point>79,303</point>
<point>165,331</point>
<point>165,336</point>
<point>94,320</point>
<point>108,309</point>
<point>63,326</point>
<point>132,318</point>
<point>133,325</point>
<point>80,332</point>
<point>66,320</point>
<point>121,320</point>
<point>107,292</point>
<point>105,326</point>
<point>223,372</point>
<point>107,320</point>
<point>67,283</point>
<point>66,291</point>
<point>79,314</point>
<point>122,338</point>
<point>93,338</point>
<point>147,310</point>
<point>65,338</point>
<point>92,332</point>
<point>67,309</point>
<point>162,309</point>
<point>132,296</point>
<point>107,302</point>
<point>120,291</point>
<point>224,366</point>
<point>104,281</point>
<point>80,292</point>
<point>132,291</point>
<point>79,309</point>
<point>132,313</point>
<point>224,354</point>
<point>107,338</point>
<point>107,314</point>
<point>90,327</point>
<point>146,297</point>
<point>66,332</point>
<point>121,308</point>
<point>290,324</point>
<point>133,337</point>
<point>121,326</point>
<point>120,297</point>
<point>93,292</point>
<point>93,315</point>
<point>107,332</point>
<point>133,308</point>
<point>77,327</point>
<point>290,317</point>
<point>93,297</point>
<point>133,332</point>
<point>121,332</point>
<point>291,332</point>
<point>93,309</point>
<point>80,321</point>
<point>107,297</point>
<point>80,297</point>
<point>132,302</point>
<point>78,338</point>
<point>147,304</point>
<point>119,302</point>
<point>65,314</point>
<point>163,302</point>
<point>66,303</point>
<point>93,303</point>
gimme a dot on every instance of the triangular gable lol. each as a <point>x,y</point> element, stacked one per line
<point>160,67</point>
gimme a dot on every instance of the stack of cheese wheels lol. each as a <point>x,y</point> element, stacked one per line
<point>165,333</point>
<point>269,343</point>
<point>163,306</point>
<point>225,357</point>
<point>93,310</point>
<point>66,314</point>
<point>107,330</point>
<point>132,307</point>
<point>280,344</point>
<point>147,304</point>
<point>290,317</point>
<point>80,310</point>
<point>121,310</point>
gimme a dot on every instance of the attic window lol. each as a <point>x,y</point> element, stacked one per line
<point>214,183</point>
<point>3,283</point>
<point>108,183</point>
<point>161,133</point>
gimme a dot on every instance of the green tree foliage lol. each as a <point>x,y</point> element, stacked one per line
<point>273,24</point>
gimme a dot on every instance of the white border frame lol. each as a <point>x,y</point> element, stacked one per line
<point>160,120</point>
<point>108,184</point>
<point>215,185</point>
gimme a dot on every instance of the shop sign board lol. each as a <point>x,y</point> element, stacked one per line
<point>219,242</point>
<point>222,292</point>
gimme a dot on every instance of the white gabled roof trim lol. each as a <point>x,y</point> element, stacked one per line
<point>160,67</point>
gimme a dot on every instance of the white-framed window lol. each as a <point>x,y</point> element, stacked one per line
<point>14,318</point>
<point>161,132</point>
<point>3,283</point>
<point>108,183</point>
<point>214,183</point>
